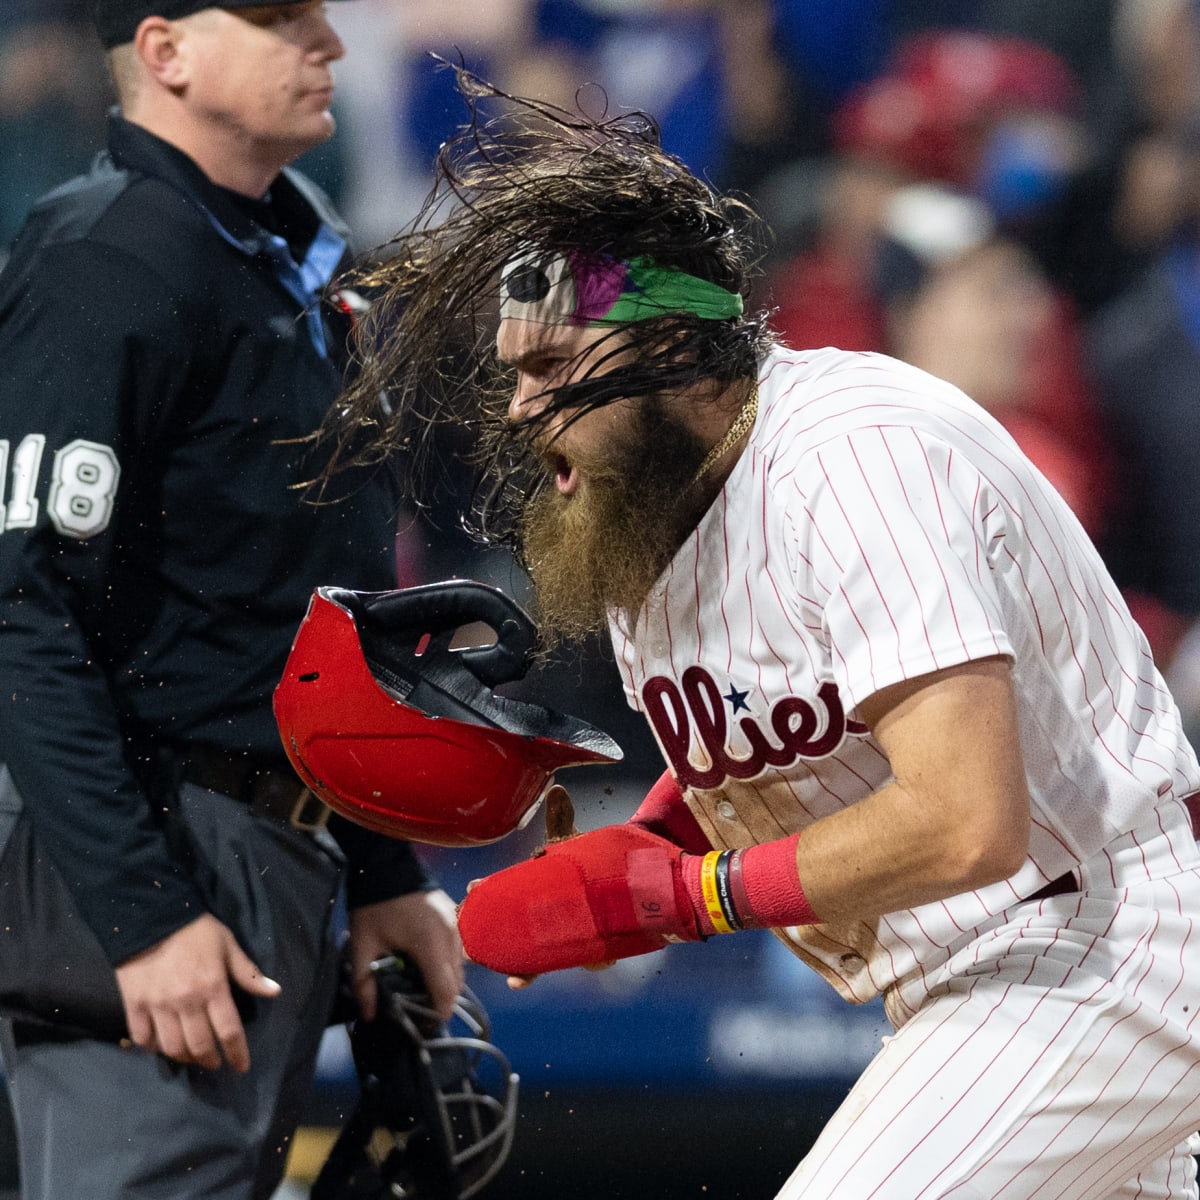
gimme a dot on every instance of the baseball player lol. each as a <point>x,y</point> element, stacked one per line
<point>908,722</point>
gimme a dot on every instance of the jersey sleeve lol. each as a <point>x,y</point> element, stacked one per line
<point>895,529</point>
<point>84,374</point>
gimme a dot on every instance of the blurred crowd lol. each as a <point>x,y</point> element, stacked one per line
<point>1005,192</point>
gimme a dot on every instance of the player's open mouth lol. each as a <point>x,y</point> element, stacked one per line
<point>566,479</point>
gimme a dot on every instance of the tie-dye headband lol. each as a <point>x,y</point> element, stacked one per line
<point>594,289</point>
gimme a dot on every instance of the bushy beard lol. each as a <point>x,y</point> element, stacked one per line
<point>607,545</point>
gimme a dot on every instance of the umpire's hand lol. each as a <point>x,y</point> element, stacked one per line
<point>419,925</point>
<point>177,996</point>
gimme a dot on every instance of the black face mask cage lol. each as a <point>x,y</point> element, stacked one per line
<point>437,1105</point>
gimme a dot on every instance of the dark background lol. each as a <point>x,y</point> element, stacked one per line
<point>655,1144</point>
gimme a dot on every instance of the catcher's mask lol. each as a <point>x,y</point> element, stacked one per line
<point>397,731</point>
<point>437,1102</point>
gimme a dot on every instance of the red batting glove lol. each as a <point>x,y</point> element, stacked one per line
<point>621,891</point>
<point>613,893</point>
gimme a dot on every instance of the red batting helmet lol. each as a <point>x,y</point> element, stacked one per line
<point>397,731</point>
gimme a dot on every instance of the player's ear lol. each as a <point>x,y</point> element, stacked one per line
<point>157,45</point>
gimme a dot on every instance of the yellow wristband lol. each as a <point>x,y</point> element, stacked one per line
<point>712,899</point>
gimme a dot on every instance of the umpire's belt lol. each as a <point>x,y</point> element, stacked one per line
<point>269,789</point>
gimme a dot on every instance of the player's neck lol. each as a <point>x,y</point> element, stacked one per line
<point>728,423</point>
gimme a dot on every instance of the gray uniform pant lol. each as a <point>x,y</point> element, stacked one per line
<point>98,1121</point>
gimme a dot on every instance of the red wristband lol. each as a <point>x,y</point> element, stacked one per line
<point>771,886</point>
<point>764,890</point>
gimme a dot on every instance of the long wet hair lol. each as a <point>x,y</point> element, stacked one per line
<point>523,174</point>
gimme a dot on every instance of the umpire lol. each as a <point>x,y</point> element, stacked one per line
<point>166,951</point>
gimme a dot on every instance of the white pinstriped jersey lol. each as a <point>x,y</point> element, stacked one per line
<point>881,525</point>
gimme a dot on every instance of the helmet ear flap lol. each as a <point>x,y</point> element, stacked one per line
<point>397,730</point>
<point>437,1102</point>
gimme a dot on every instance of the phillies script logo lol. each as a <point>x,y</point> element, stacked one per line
<point>800,728</point>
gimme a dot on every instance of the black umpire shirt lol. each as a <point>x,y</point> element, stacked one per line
<point>161,352</point>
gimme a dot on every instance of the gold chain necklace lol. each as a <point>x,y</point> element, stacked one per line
<point>741,423</point>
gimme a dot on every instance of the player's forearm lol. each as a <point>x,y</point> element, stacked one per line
<point>957,815</point>
<point>894,851</point>
<point>888,852</point>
